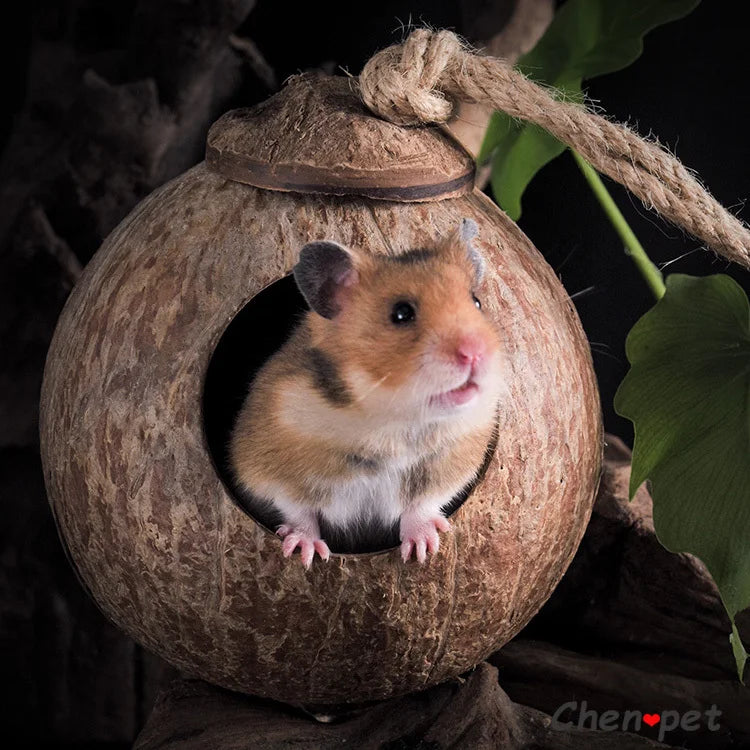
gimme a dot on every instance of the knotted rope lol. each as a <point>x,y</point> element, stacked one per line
<point>420,81</point>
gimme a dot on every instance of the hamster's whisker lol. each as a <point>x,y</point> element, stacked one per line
<point>375,385</point>
<point>662,266</point>
<point>583,292</point>
<point>598,347</point>
<point>394,394</point>
<point>560,266</point>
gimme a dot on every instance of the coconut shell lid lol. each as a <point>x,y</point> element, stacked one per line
<point>316,136</point>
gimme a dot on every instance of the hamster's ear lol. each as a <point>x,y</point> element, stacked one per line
<point>323,273</point>
<point>460,245</point>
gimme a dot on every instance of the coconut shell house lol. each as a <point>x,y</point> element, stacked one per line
<point>132,446</point>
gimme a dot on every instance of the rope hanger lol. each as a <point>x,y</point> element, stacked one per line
<point>420,81</point>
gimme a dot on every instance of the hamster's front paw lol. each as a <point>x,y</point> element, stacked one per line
<point>419,533</point>
<point>307,542</point>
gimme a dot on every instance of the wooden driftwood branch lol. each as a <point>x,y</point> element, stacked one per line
<point>471,713</point>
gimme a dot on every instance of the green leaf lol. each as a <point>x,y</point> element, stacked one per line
<point>589,38</point>
<point>527,150</point>
<point>586,38</point>
<point>740,655</point>
<point>688,395</point>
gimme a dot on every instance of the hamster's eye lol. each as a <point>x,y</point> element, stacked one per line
<point>477,302</point>
<point>402,312</point>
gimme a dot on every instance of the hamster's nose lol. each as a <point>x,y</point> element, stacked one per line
<point>470,350</point>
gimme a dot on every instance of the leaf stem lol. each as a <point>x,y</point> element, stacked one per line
<point>633,247</point>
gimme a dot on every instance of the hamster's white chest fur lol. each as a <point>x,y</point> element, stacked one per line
<point>374,497</point>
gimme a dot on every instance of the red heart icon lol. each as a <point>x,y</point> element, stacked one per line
<point>651,719</point>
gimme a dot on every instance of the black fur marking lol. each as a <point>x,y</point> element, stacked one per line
<point>417,479</point>
<point>368,536</point>
<point>357,461</point>
<point>414,256</point>
<point>326,378</point>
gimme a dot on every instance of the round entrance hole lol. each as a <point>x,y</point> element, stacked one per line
<point>258,331</point>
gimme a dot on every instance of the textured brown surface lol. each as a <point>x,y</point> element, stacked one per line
<point>654,652</point>
<point>628,597</point>
<point>170,557</point>
<point>546,677</point>
<point>470,712</point>
<point>632,626</point>
<point>69,674</point>
<point>71,678</point>
<point>340,149</point>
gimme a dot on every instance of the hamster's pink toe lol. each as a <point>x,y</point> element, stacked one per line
<point>322,549</point>
<point>291,540</point>
<point>307,551</point>
<point>432,540</point>
<point>308,544</point>
<point>406,547</point>
<point>442,523</point>
<point>420,535</point>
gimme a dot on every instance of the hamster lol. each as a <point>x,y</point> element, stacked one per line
<point>379,409</point>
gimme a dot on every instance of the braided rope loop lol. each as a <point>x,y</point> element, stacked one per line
<point>421,80</point>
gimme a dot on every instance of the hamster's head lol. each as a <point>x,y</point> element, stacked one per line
<point>407,333</point>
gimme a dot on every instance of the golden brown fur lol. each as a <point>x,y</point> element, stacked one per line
<point>343,409</point>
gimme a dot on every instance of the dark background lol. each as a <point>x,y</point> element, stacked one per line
<point>69,176</point>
